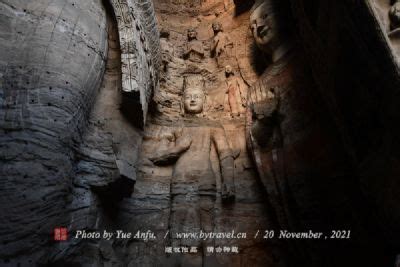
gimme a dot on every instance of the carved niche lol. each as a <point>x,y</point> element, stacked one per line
<point>222,47</point>
<point>139,59</point>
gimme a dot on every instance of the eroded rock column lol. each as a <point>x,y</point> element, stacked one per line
<point>52,63</point>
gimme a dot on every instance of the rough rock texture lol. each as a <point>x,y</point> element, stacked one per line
<point>52,63</point>
<point>139,40</point>
<point>77,78</point>
<point>68,152</point>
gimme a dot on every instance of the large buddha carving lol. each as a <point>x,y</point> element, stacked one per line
<point>193,186</point>
<point>394,15</point>
<point>285,132</point>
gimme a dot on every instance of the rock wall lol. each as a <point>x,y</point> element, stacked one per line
<point>68,152</point>
<point>83,82</point>
<point>138,36</point>
<point>52,62</point>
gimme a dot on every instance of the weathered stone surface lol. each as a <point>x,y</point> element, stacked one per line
<point>322,148</point>
<point>51,65</point>
<point>235,94</point>
<point>140,58</point>
<point>65,145</point>
<point>107,162</point>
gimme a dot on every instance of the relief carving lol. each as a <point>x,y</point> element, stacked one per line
<point>167,50</point>
<point>388,14</point>
<point>222,47</point>
<point>194,48</point>
<point>275,101</point>
<point>235,92</point>
<point>139,59</point>
<point>269,31</point>
<point>195,139</point>
<point>394,16</point>
<point>263,96</point>
<point>193,186</point>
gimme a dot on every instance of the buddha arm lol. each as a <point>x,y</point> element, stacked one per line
<point>171,154</point>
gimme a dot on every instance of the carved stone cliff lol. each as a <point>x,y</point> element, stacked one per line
<point>199,115</point>
<point>65,146</point>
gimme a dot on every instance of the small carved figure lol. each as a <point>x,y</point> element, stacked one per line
<point>394,15</point>
<point>194,48</point>
<point>193,186</point>
<point>222,46</point>
<point>167,50</point>
<point>235,91</point>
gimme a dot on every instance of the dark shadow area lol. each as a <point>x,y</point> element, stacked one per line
<point>111,194</point>
<point>259,61</point>
<point>131,108</point>
<point>242,6</point>
<point>110,10</point>
<point>312,12</point>
<point>358,80</point>
<point>62,263</point>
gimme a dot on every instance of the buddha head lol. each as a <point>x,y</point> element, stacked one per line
<point>194,97</point>
<point>394,15</point>
<point>229,71</point>
<point>268,24</point>
<point>217,27</point>
<point>191,34</point>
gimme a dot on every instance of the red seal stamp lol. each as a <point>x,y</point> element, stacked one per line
<point>60,234</point>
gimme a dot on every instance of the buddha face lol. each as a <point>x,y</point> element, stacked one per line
<point>217,27</point>
<point>191,34</point>
<point>394,15</point>
<point>263,25</point>
<point>228,70</point>
<point>193,100</point>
